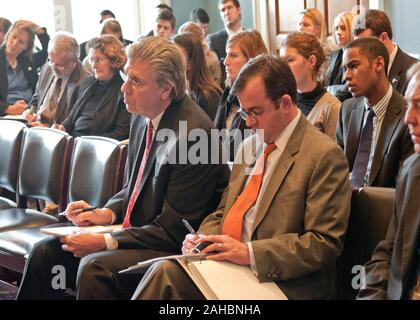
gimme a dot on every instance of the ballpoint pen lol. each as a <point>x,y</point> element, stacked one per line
<point>201,245</point>
<point>78,211</point>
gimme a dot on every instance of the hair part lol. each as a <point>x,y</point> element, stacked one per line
<point>166,61</point>
<point>275,73</point>
<point>372,48</point>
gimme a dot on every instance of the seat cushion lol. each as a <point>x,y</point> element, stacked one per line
<point>6,203</point>
<point>20,242</point>
<point>14,219</point>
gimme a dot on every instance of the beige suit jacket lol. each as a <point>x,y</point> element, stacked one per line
<point>302,217</point>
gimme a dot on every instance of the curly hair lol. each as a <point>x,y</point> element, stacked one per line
<point>112,48</point>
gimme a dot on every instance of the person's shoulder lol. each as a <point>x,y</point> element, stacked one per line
<point>217,35</point>
<point>406,58</point>
<point>188,110</point>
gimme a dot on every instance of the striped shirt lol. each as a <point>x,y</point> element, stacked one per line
<point>379,109</point>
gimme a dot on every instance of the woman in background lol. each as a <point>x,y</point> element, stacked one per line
<point>99,108</point>
<point>18,66</point>
<point>239,49</point>
<point>201,87</point>
<point>211,57</point>
<point>334,78</point>
<point>313,22</point>
<point>109,26</point>
<point>305,57</point>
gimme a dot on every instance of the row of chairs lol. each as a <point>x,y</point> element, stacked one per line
<point>44,164</point>
<point>49,165</point>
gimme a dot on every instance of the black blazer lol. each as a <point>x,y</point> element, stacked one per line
<point>226,103</point>
<point>394,144</point>
<point>398,73</point>
<point>169,192</point>
<point>111,119</point>
<point>334,77</point>
<point>217,43</point>
<point>392,269</point>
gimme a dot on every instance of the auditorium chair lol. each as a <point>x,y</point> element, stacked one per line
<point>96,173</point>
<point>11,133</point>
<point>43,165</point>
<point>371,210</point>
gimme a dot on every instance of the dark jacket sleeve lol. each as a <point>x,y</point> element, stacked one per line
<point>41,57</point>
<point>121,127</point>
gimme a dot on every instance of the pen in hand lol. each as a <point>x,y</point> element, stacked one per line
<point>78,211</point>
<point>197,249</point>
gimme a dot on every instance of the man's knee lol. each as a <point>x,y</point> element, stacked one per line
<point>44,251</point>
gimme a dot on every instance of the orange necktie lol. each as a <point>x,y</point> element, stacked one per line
<point>232,225</point>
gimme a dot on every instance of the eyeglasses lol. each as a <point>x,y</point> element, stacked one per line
<point>254,113</point>
<point>134,83</point>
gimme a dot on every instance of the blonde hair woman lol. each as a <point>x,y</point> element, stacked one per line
<point>343,35</point>
<point>305,56</point>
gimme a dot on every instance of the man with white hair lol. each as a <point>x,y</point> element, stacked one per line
<point>58,82</point>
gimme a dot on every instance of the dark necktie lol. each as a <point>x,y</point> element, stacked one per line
<point>358,174</point>
<point>136,189</point>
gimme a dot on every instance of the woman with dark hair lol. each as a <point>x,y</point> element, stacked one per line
<point>305,56</point>
<point>201,87</point>
<point>18,67</point>
<point>99,108</point>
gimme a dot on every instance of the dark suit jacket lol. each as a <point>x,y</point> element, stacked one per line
<point>302,216</point>
<point>169,192</point>
<point>111,119</point>
<point>394,144</point>
<point>390,272</point>
<point>70,93</point>
<point>398,73</point>
<point>217,43</point>
<point>334,81</point>
<point>226,103</point>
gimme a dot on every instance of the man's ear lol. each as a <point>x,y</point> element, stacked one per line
<point>379,64</point>
<point>285,101</point>
<point>384,37</point>
<point>166,91</point>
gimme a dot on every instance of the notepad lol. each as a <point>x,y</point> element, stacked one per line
<point>222,280</point>
<point>66,231</point>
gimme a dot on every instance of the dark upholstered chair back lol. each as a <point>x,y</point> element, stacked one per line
<point>96,169</point>
<point>11,133</point>
<point>44,163</point>
<point>371,212</point>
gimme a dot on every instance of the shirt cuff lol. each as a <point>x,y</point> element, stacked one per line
<point>252,258</point>
<point>113,217</point>
<point>111,242</point>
